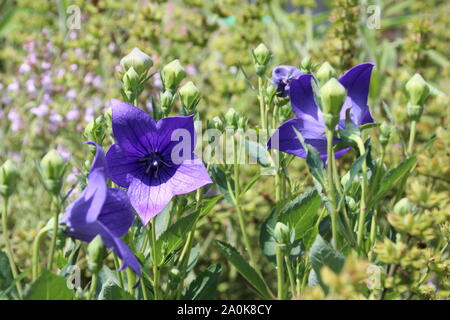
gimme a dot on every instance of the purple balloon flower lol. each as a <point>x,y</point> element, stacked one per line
<point>309,121</point>
<point>151,160</point>
<point>282,76</point>
<point>103,211</point>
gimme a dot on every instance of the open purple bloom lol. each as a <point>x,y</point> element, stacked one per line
<point>282,76</point>
<point>155,161</point>
<point>103,211</point>
<point>309,121</point>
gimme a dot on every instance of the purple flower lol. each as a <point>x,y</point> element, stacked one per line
<point>103,211</point>
<point>147,158</point>
<point>309,121</point>
<point>281,78</point>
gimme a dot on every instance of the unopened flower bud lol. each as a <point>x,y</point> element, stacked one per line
<point>231,118</point>
<point>306,65</point>
<point>242,123</point>
<point>52,169</point>
<point>403,206</point>
<point>8,178</point>
<point>385,133</point>
<point>96,130</point>
<point>282,234</point>
<point>172,74</point>
<point>137,60</point>
<point>215,123</point>
<point>332,95</point>
<point>325,73</point>
<point>130,80</point>
<point>166,102</point>
<point>261,58</point>
<point>189,97</point>
<point>96,254</point>
<point>418,90</point>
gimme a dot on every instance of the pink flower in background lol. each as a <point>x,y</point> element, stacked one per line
<point>14,86</point>
<point>16,120</point>
<point>24,68</point>
<point>63,151</point>
<point>73,114</point>
<point>40,111</point>
<point>71,94</point>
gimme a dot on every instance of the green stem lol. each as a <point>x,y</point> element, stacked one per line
<point>156,275</point>
<point>117,265</point>
<point>332,196</point>
<point>35,255</point>
<point>362,202</point>
<point>290,274</point>
<point>412,137</point>
<point>93,286</point>
<point>262,105</point>
<point>280,272</point>
<point>8,247</point>
<point>55,207</point>
<point>131,281</point>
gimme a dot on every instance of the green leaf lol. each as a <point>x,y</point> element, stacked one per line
<point>173,237</point>
<point>355,169</point>
<point>208,204</point>
<point>6,276</point>
<point>220,179</point>
<point>204,286</point>
<point>245,269</point>
<point>111,291</point>
<point>322,254</point>
<point>162,221</point>
<point>301,213</point>
<point>392,178</point>
<point>268,243</point>
<point>257,152</point>
<point>49,287</point>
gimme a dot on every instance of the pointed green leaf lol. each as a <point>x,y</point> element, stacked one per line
<point>204,286</point>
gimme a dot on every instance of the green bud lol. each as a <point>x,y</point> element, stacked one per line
<point>8,178</point>
<point>96,254</point>
<point>417,89</point>
<point>172,74</point>
<point>282,234</point>
<point>232,118</point>
<point>385,131</point>
<point>130,80</point>
<point>306,65</point>
<point>325,73</point>
<point>332,95</point>
<point>261,58</point>
<point>52,170</point>
<point>403,206</point>
<point>242,123</point>
<point>137,60</point>
<point>216,123</point>
<point>166,102</point>
<point>189,97</point>
<point>96,130</point>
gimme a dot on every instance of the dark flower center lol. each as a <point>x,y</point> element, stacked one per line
<point>153,162</point>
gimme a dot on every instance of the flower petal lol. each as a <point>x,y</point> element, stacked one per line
<point>121,250</point>
<point>149,195</point>
<point>302,99</point>
<point>117,214</point>
<point>173,131</point>
<point>189,176</point>
<point>357,83</point>
<point>134,130</point>
<point>123,166</point>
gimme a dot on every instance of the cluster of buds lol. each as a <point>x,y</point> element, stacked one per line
<point>135,68</point>
<point>171,76</point>
<point>52,168</point>
<point>411,258</point>
<point>307,66</point>
<point>235,120</point>
<point>418,92</point>
<point>8,179</point>
<point>216,123</point>
<point>421,226</point>
<point>332,95</point>
<point>261,58</point>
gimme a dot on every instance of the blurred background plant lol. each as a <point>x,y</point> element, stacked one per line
<point>55,79</point>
